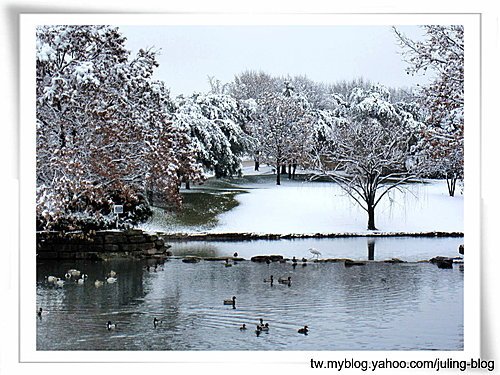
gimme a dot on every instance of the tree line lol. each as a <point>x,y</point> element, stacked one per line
<point>108,133</point>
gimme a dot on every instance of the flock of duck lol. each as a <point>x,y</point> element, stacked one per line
<point>264,327</point>
<point>80,278</point>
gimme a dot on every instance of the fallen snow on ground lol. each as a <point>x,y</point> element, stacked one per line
<point>319,207</point>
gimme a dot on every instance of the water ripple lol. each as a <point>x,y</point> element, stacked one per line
<point>373,307</point>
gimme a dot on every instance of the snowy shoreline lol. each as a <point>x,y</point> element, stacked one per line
<point>213,236</point>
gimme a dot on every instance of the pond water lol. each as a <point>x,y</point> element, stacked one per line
<point>379,306</point>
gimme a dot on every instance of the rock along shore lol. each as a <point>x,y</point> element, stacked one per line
<point>100,245</point>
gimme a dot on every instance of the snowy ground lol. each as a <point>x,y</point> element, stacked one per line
<point>322,207</point>
<point>313,207</point>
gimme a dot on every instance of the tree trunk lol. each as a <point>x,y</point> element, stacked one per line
<point>283,169</point>
<point>289,171</point>
<point>451,181</point>
<point>256,165</point>
<point>150,196</point>
<point>371,217</point>
<point>188,185</point>
<point>278,175</point>
<point>293,170</point>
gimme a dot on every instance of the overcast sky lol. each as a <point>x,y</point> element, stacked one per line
<point>323,53</point>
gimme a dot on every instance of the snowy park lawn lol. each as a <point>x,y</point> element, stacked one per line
<point>320,207</point>
<point>308,207</point>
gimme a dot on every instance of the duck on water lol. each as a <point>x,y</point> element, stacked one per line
<point>231,301</point>
<point>303,330</point>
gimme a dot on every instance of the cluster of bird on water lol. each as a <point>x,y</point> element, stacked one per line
<point>281,280</point>
<point>80,278</point>
<point>110,278</point>
<point>264,327</point>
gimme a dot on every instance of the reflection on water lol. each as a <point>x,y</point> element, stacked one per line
<point>379,306</point>
<point>359,248</point>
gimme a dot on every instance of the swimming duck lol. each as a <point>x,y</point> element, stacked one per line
<point>227,264</point>
<point>59,282</point>
<point>157,322</point>
<point>111,273</point>
<point>265,327</point>
<point>74,272</point>
<point>235,255</point>
<point>282,280</point>
<point>270,280</point>
<point>80,281</point>
<point>51,279</point>
<point>243,327</point>
<point>294,260</point>
<point>258,330</point>
<point>111,280</point>
<point>231,301</point>
<point>303,330</point>
<point>110,325</point>
<point>39,312</point>
<point>98,283</point>
<point>67,275</point>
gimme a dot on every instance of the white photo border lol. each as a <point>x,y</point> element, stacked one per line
<point>27,278</point>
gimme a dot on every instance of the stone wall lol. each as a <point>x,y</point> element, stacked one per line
<point>100,245</point>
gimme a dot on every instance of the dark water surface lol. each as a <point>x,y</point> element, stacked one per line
<point>409,306</point>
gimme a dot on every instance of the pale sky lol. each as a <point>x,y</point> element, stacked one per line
<point>189,54</point>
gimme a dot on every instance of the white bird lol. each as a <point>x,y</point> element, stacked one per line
<point>110,325</point>
<point>315,252</point>
<point>74,272</point>
<point>80,281</point>
<point>111,280</point>
<point>112,273</point>
<point>59,282</point>
<point>51,279</point>
<point>98,283</point>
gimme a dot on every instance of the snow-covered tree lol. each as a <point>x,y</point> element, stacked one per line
<point>369,147</point>
<point>215,123</point>
<point>254,85</point>
<point>281,127</point>
<point>442,52</point>
<point>103,132</point>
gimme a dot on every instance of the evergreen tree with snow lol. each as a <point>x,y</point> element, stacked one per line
<point>215,123</point>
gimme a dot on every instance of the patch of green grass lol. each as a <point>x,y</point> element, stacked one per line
<point>200,208</point>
